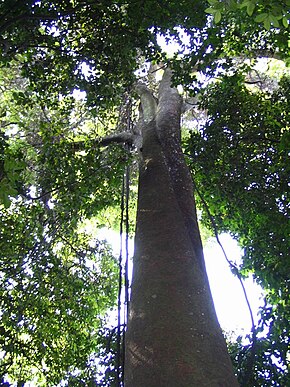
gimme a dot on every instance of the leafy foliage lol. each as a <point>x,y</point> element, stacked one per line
<point>57,281</point>
<point>269,13</point>
<point>239,161</point>
<point>268,371</point>
<point>55,288</point>
<point>67,44</point>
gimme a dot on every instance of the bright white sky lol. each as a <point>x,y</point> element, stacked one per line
<point>229,300</point>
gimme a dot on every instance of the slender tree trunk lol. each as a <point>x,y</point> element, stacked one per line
<point>173,337</point>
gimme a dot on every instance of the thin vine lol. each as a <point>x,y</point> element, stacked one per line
<point>235,270</point>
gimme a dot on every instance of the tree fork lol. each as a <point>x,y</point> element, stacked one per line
<point>173,337</point>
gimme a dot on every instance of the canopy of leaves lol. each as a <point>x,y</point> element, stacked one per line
<point>53,296</point>
<point>61,39</point>
<point>57,281</point>
<point>240,165</point>
<point>269,13</point>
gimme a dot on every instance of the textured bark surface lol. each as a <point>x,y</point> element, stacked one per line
<point>173,337</point>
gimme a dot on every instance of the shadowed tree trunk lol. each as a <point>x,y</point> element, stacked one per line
<point>173,337</point>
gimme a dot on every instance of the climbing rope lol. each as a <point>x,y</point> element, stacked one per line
<point>123,291</point>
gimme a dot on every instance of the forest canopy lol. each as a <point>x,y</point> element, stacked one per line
<point>68,75</point>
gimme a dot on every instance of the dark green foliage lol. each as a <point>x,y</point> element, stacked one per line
<point>267,370</point>
<point>59,39</point>
<point>57,281</point>
<point>55,289</point>
<point>265,12</point>
<point>239,161</point>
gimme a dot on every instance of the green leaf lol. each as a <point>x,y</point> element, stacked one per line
<point>5,200</point>
<point>250,8</point>
<point>212,2</point>
<point>273,19</point>
<point>267,23</point>
<point>285,22</point>
<point>232,5</point>
<point>260,18</point>
<point>244,4</point>
<point>212,11</point>
<point>217,16</point>
<point>287,62</point>
<point>6,190</point>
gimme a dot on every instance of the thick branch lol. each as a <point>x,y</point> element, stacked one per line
<point>148,102</point>
<point>123,137</point>
<point>169,109</point>
<point>119,138</point>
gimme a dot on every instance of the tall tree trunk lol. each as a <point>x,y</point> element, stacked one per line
<point>173,337</point>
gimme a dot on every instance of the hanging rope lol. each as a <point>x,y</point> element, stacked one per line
<point>127,198</point>
<point>118,360</point>
<point>125,264</point>
<point>123,291</point>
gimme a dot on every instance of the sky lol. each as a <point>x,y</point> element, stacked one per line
<point>229,299</point>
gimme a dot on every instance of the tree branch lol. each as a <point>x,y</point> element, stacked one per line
<point>118,138</point>
<point>123,137</point>
<point>148,102</point>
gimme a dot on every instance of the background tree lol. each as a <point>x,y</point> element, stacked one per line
<point>240,167</point>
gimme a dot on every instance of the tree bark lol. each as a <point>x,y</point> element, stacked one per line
<point>173,337</point>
